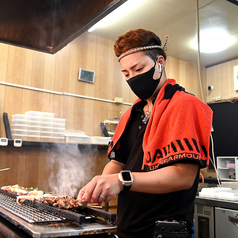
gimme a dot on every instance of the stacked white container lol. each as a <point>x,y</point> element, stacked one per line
<point>47,127</point>
<point>19,126</point>
<point>38,126</point>
<point>34,125</point>
<point>59,129</point>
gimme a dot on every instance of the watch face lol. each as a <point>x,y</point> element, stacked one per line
<point>126,176</point>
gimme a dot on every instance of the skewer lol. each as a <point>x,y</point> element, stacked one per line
<point>94,205</point>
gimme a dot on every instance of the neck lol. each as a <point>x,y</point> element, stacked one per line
<point>149,104</point>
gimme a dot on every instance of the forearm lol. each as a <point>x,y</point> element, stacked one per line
<point>169,179</point>
<point>113,167</point>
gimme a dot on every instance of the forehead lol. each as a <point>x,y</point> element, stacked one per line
<point>133,59</point>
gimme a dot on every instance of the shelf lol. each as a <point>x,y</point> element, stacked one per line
<point>226,179</point>
<point>55,144</point>
<point>226,168</point>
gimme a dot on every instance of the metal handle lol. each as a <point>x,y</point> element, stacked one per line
<point>233,219</point>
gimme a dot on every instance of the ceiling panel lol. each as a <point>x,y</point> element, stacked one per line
<point>177,18</point>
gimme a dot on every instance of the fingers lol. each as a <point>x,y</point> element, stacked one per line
<point>101,196</point>
<point>101,199</point>
<point>100,189</point>
<point>89,192</point>
<point>81,194</point>
<point>92,190</point>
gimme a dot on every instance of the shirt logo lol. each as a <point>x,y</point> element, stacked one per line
<point>175,151</point>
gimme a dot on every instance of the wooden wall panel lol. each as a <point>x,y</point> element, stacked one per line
<point>16,63</point>
<point>186,74</point>
<point>221,77</point>
<point>21,159</point>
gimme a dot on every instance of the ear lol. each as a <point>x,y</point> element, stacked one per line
<point>161,61</point>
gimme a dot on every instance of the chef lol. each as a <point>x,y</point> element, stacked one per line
<point>159,146</point>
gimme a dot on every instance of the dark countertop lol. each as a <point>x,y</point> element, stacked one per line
<point>217,203</point>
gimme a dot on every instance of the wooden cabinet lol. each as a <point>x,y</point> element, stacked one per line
<point>50,25</point>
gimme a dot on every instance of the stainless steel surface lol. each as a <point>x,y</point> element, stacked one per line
<point>26,212</point>
<point>47,230</point>
<point>204,221</point>
<point>226,223</point>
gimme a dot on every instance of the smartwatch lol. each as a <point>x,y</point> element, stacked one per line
<point>126,178</point>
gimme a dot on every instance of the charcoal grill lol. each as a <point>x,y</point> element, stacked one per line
<point>40,220</point>
<point>27,212</point>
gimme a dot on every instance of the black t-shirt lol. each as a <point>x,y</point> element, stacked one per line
<point>137,212</point>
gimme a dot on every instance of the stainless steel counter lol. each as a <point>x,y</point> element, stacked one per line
<point>209,221</point>
<point>217,203</point>
<point>57,230</point>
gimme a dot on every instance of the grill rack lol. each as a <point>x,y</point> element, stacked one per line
<point>78,216</point>
<point>27,211</point>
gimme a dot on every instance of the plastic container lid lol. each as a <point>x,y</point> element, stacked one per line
<point>47,134</point>
<point>35,118</point>
<point>47,129</point>
<point>19,117</point>
<point>47,119</point>
<point>19,126</point>
<point>46,138</point>
<point>33,113</point>
<point>47,124</point>
<point>34,133</point>
<point>17,136</point>
<point>35,123</point>
<point>33,138</point>
<point>19,131</point>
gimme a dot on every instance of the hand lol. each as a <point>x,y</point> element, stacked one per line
<point>101,189</point>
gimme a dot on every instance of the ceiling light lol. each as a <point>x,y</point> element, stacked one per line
<point>116,14</point>
<point>212,41</point>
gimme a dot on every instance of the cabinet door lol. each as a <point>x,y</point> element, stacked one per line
<point>226,223</point>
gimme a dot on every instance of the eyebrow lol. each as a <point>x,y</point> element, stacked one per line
<point>124,70</point>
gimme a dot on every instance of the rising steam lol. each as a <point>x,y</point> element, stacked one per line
<point>70,170</point>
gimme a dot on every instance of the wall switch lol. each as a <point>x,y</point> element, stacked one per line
<point>118,100</point>
<point>217,98</point>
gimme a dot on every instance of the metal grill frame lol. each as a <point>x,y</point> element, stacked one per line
<point>92,225</point>
<point>27,211</point>
<point>74,215</point>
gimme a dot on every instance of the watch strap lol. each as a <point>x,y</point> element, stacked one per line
<point>126,188</point>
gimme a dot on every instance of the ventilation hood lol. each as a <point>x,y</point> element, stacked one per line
<point>49,25</point>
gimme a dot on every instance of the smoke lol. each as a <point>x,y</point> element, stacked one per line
<point>70,169</point>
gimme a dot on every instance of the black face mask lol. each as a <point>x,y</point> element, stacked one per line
<point>143,85</point>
